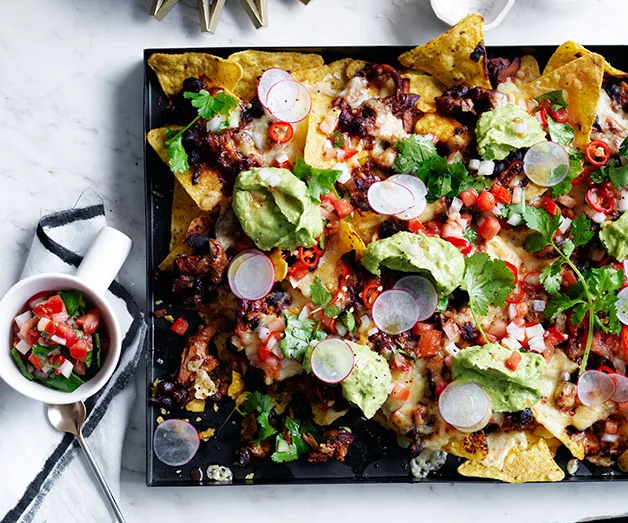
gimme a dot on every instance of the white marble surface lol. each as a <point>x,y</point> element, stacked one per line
<point>71,118</point>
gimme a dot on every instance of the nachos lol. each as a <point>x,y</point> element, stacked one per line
<point>437,244</point>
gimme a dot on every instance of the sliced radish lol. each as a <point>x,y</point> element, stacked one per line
<point>21,319</point>
<point>390,198</point>
<point>235,264</point>
<point>269,78</point>
<point>419,191</point>
<point>423,291</point>
<point>332,360</point>
<point>289,101</point>
<point>395,311</point>
<point>621,388</point>
<point>595,387</point>
<point>622,306</point>
<point>175,442</point>
<point>546,163</point>
<point>254,277</point>
<point>465,406</point>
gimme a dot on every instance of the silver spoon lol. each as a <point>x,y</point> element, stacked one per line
<point>70,418</point>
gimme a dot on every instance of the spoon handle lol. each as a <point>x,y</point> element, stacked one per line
<point>101,479</point>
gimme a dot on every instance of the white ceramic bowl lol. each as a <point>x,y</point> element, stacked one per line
<point>452,11</point>
<point>100,265</point>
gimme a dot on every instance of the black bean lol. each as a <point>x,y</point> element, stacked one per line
<point>193,85</point>
<point>243,457</point>
<point>165,387</point>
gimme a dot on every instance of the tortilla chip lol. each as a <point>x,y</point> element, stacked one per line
<point>472,446</point>
<point>255,62</point>
<point>236,386</point>
<point>349,239</point>
<point>184,210</point>
<point>326,416</point>
<point>622,461</point>
<point>207,192</point>
<point>456,56</point>
<point>332,78</point>
<point>556,423</point>
<point>195,406</point>
<point>427,87</point>
<point>313,153</point>
<point>281,266</point>
<point>570,51</point>
<point>528,70</point>
<point>520,466</point>
<point>443,127</point>
<point>581,79</point>
<point>173,69</point>
<point>181,248</point>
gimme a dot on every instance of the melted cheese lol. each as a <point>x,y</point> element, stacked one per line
<point>612,121</point>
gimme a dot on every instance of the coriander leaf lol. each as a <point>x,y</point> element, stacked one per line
<point>284,452</point>
<point>554,97</point>
<point>338,140</point>
<point>261,405</point>
<point>578,312</point>
<point>72,301</point>
<point>568,247</point>
<point>487,281</point>
<point>319,295</point>
<point>177,157</point>
<point>616,173</point>
<point>575,168</point>
<point>443,301</point>
<point>413,151</point>
<point>39,351</point>
<point>60,382</point>
<point>290,452</point>
<point>560,303</point>
<point>209,106</point>
<point>331,311</point>
<point>319,181</point>
<point>20,364</point>
<point>541,221</point>
<point>293,426</point>
<point>599,176</point>
<point>347,320</point>
<point>623,148</point>
<point>97,348</point>
<point>561,133</point>
<point>581,230</point>
<point>298,336</point>
<point>470,235</point>
<point>535,242</point>
<point>551,277</point>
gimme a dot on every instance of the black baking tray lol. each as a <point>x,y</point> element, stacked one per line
<point>375,455</point>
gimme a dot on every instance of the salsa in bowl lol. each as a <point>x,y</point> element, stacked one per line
<point>58,339</point>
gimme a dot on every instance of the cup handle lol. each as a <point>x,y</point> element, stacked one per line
<point>103,259</point>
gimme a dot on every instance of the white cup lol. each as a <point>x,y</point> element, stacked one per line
<point>99,267</point>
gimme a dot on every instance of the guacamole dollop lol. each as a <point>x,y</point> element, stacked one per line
<point>367,385</point>
<point>408,252</point>
<point>275,210</point>
<point>509,391</point>
<point>614,237</point>
<point>496,136</point>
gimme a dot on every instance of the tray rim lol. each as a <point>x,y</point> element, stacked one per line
<point>224,51</point>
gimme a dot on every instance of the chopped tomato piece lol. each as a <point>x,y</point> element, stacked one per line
<point>54,305</point>
<point>624,338</point>
<point>89,322</point>
<point>440,387</point>
<point>415,225</point>
<point>180,326</point>
<point>65,331</point>
<point>501,194</point>
<point>486,201</point>
<point>513,361</point>
<point>569,278</point>
<point>78,350</point>
<point>343,207</point>
<point>433,228</point>
<point>430,343</point>
<point>489,228</point>
<point>469,197</point>
<point>550,206</point>
<point>420,327</point>
<point>401,363</point>
<point>58,359</point>
<point>399,392</point>
<point>554,336</point>
<point>298,270</point>
<point>610,427</point>
<point>36,361</point>
<point>561,115</point>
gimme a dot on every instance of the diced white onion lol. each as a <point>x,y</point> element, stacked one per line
<point>610,438</point>
<point>515,220</point>
<point>512,311</point>
<point>21,319</point>
<point>517,195</point>
<point>340,329</point>
<point>272,343</point>
<point>535,330</point>
<point>516,332</point>
<point>599,217</point>
<point>565,223</point>
<point>452,349</point>
<point>263,333</point>
<point>537,344</point>
<point>511,343</point>
<point>58,339</point>
<point>282,158</point>
<point>372,331</point>
<point>622,203</point>
<point>274,180</point>
<point>305,313</point>
<point>346,173</point>
<point>567,201</point>
<point>538,305</point>
<point>486,168</point>
<point>520,128</point>
<point>214,124</point>
<point>66,368</point>
<point>23,347</point>
<point>474,164</point>
<point>455,207</point>
<point>365,320</point>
